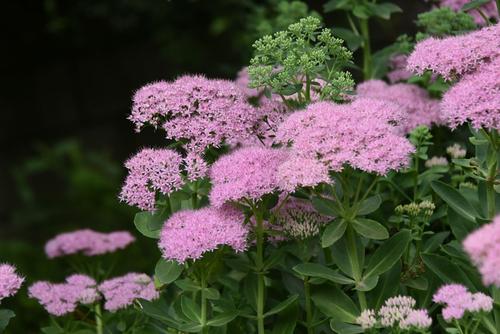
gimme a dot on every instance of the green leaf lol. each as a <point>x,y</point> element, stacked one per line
<point>281,306</point>
<point>187,285</point>
<point>370,228</point>
<point>333,232</point>
<point>362,11</point>
<point>212,293</point>
<point>367,284</point>
<point>388,254</point>
<point>52,330</point>
<point>446,270</point>
<point>344,258</point>
<point>474,4</point>
<point>5,316</point>
<point>222,319</point>
<point>418,283</point>
<point>455,200</point>
<point>388,286</point>
<point>326,207</point>
<point>343,328</point>
<point>433,243</point>
<point>157,311</point>
<point>320,271</point>
<point>352,40</point>
<point>332,5</point>
<point>168,271</point>
<point>369,205</point>
<point>334,303</point>
<point>287,320</point>
<point>385,10</point>
<point>190,309</point>
<point>191,328</point>
<point>149,224</point>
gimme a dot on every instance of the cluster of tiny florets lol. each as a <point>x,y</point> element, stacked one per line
<point>299,220</point>
<point>202,112</point>
<point>456,151</point>
<point>350,134</point>
<point>456,56</point>
<point>151,171</point>
<point>397,312</point>
<point>188,234</point>
<point>436,162</point>
<point>120,292</point>
<point>87,242</point>
<point>298,171</point>
<point>483,247</point>
<point>63,298</point>
<point>247,173</point>
<point>398,71</point>
<point>458,301</point>
<point>10,281</point>
<point>414,101</point>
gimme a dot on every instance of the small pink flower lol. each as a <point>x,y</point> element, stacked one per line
<point>10,281</point>
<point>120,292</point>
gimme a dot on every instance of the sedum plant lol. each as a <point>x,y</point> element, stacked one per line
<point>277,208</point>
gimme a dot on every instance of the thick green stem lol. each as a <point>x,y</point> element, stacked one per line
<point>352,250</point>
<point>204,328</point>
<point>98,319</point>
<point>492,174</point>
<point>259,265</point>
<point>367,52</point>
<point>496,312</point>
<point>308,89</point>
<point>309,315</point>
<point>194,196</point>
<point>490,198</point>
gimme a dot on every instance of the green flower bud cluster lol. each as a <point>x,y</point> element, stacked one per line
<point>301,62</point>
<point>444,22</point>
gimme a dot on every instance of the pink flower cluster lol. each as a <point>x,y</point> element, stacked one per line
<point>418,107</point>
<point>195,110</point>
<point>88,242</point>
<point>63,298</point>
<point>489,9</point>
<point>247,173</point>
<point>397,312</point>
<point>120,292</point>
<point>243,80</point>
<point>188,234</point>
<point>456,56</point>
<point>398,72</point>
<point>475,60</point>
<point>483,247</point>
<point>359,134</point>
<point>476,98</point>
<point>151,171</point>
<point>458,301</point>
<point>10,281</point>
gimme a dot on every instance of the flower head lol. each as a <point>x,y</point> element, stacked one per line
<point>367,319</point>
<point>436,161</point>
<point>88,242</point>
<point>456,151</point>
<point>62,298</point>
<point>299,220</point>
<point>243,80</point>
<point>418,319</point>
<point>298,172</point>
<point>247,173</point>
<point>188,234</point>
<point>338,135</point>
<point>458,300</point>
<point>196,167</point>
<point>120,292</point>
<point>10,281</point>
<point>483,247</point>
<point>456,56</point>
<point>151,171</point>
<point>417,107</point>
<point>398,71</point>
<point>475,98</point>
<point>149,104</point>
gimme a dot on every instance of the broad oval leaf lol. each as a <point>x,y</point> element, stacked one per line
<point>149,224</point>
<point>455,200</point>
<point>167,271</point>
<point>281,306</point>
<point>318,270</point>
<point>222,319</point>
<point>446,270</point>
<point>367,284</point>
<point>369,205</point>
<point>333,232</point>
<point>343,328</point>
<point>5,316</point>
<point>190,309</point>
<point>370,228</point>
<point>474,4</point>
<point>388,254</point>
<point>334,303</point>
<point>325,206</point>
